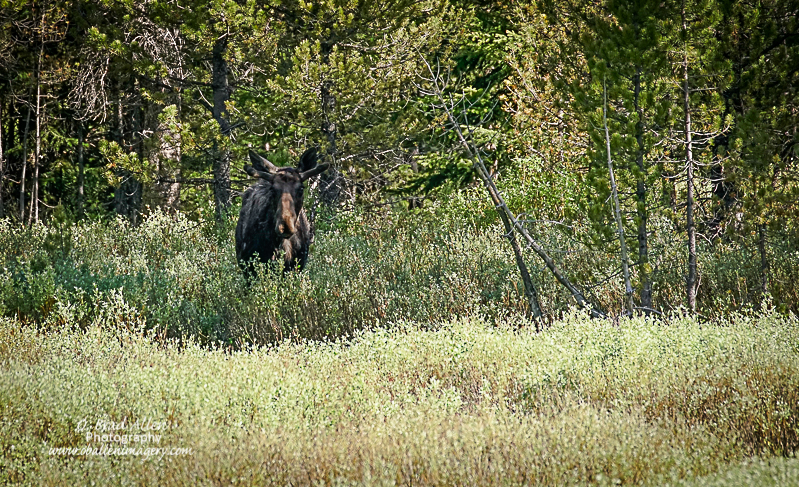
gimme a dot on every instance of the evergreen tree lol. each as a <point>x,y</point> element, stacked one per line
<point>755,183</point>
<point>701,75</point>
<point>625,60</point>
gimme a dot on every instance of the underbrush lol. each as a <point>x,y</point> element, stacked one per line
<point>467,402</point>
<point>179,277</point>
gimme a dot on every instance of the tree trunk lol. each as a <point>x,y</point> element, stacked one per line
<point>33,214</point>
<point>529,289</point>
<point>2,166</point>
<point>691,281</point>
<point>24,167</point>
<point>221,162</point>
<point>510,220</point>
<point>414,202</point>
<point>642,211</point>
<point>81,175</point>
<point>331,182</point>
<point>764,264</point>
<point>12,127</point>
<point>137,145</point>
<point>328,117</point>
<point>625,260</point>
<point>166,160</point>
<point>127,197</point>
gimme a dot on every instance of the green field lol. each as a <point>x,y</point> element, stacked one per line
<point>465,402</point>
<point>400,356</point>
<point>548,242</point>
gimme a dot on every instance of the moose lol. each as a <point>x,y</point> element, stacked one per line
<point>271,216</point>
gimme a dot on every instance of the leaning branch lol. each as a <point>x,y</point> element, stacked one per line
<point>507,216</point>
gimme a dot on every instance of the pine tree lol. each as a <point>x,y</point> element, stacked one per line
<point>625,61</point>
<point>700,74</point>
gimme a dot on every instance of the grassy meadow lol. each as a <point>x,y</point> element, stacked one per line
<point>666,402</point>
<point>400,357</point>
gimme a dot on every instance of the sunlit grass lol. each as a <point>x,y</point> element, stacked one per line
<point>399,356</point>
<point>464,402</point>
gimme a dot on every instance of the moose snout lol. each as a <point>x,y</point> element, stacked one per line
<point>287,217</point>
<point>286,228</point>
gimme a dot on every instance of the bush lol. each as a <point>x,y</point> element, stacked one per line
<point>180,277</point>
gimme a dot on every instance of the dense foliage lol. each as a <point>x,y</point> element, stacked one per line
<point>109,107</point>
<point>179,277</point>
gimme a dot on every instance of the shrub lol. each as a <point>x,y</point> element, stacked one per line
<point>180,277</point>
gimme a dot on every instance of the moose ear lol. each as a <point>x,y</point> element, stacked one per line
<point>308,159</point>
<point>261,164</point>
<point>305,175</point>
<point>257,173</point>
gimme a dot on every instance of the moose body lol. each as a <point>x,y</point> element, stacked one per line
<point>271,216</point>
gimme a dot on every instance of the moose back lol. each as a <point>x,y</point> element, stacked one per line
<point>271,216</point>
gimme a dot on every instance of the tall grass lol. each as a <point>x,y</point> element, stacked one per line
<point>467,403</point>
<point>180,277</point>
<point>400,356</point>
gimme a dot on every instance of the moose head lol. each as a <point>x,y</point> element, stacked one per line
<point>271,214</point>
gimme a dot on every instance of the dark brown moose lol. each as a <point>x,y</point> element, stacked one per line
<point>271,216</point>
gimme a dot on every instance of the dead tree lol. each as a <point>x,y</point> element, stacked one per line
<point>625,259</point>
<point>435,87</point>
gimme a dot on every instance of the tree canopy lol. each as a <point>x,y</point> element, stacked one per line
<point>121,107</point>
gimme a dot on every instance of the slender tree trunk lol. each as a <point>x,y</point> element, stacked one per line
<point>127,197</point>
<point>510,221</point>
<point>499,202</point>
<point>764,264</point>
<point>529,289</point>
<point>167,161</point>
<point>331,182</point>
<point>137,144</point>
<point>625,260</point>
<point>14,123</point>
<point>120,198</point>
<point>81,175</point>
<point>691,281</point>
<point>414,202</point>
<point>328,114</point>
<point>12,127</point>
<point>2,165</point>
<point>641,193</point>
<point>221,162</point>
<point>33,214</point>
<point>24,167</point>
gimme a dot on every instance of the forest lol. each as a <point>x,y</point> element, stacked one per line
<point>557,242</point>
